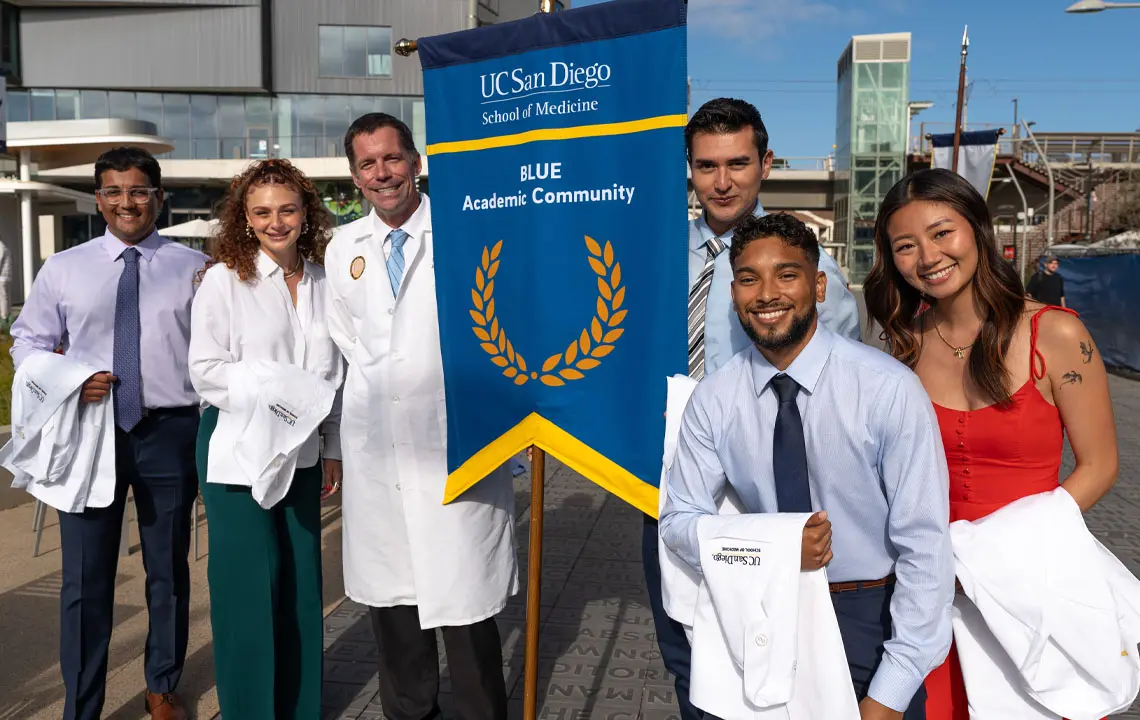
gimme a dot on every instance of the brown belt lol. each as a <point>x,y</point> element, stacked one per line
<point>840,587</point>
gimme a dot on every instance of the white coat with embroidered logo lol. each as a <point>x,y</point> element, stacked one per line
<point>1050,620</point>
<point>402,545</point>
<point>766,643</point>
<point>62,450</point>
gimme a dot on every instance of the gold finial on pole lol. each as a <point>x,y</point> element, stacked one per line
<point>405,47</point>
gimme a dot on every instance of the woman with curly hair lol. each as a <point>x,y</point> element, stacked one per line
<point>1009,377</point>
<point>264,301</point>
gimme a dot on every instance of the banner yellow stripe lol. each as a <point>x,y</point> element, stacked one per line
<point>570,133</point>
<point>537,430</point>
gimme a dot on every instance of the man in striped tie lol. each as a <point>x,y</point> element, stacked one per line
<point>727,147</point>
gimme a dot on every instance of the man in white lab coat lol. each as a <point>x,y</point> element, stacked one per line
<point>418,564</point>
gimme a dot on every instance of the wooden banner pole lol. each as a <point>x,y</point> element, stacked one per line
<point>534,582</point>
<point>961,99</point>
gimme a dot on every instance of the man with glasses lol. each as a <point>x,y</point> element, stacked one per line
<point>121,303</point>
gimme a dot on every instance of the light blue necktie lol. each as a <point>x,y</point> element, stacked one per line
<point>125,354</point>
<point>396,259</point>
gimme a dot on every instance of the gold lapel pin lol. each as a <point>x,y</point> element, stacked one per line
<point>357,267</point>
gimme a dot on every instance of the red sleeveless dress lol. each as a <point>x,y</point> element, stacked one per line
<point>996,455</point>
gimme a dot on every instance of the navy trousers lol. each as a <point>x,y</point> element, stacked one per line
<point>156,460</point>
<point>865,623</point>
<point>675,650</point>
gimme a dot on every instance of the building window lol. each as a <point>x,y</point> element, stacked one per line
<point>348,51</point>
<point>9,41</point>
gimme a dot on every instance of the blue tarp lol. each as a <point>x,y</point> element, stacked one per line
<point>1105,290</point>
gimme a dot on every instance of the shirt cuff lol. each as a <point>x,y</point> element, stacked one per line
<point>330,449</point>
<point>893,685</point>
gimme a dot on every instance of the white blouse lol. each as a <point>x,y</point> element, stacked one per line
<point>232,321</point>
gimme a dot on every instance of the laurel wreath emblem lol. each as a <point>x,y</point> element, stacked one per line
<point>584,352</point>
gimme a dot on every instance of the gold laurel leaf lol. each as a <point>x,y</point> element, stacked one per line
<point>493,269</point>
<point>571,352</point>
<point>597,266</point>
<point>491,309</point>
<point>609,254</point>
<point>477,300</point>
<point>495,328</point>
<point>615,276</point>
<point>552,381</point>
<point>587,364</point>
<point>596,330</point>
<point>613,335</point>
<point>510,372</point>
<point>489,291</point>
<point>603,289</point>
<point>618,317</point>
<point>478,317</point>
<point>584,341</point>
<point>551,362</point>
<point>593,246</point>
<point>503,344</point>
<point>509,348</point>
<point>486,257</point>
<point>619,298</point>
<point>602,350</point>
<point>603,311</point>
<point>479,279</point>
<point>571,374</point>
<point>490,348</point>
<point>500,361</point>
<point>481,334</point>
<point>496,250</point>
<point>522,363</point>
<point>521,379</point>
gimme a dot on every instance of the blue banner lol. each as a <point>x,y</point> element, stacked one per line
<point>1103,289</point>
<point>556,160</point>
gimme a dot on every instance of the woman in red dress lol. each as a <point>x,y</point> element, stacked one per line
<point>1008,377</point>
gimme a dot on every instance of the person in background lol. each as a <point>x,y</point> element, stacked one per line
<point>1009,379</point>
<point>416,563</point>
<point>122,302</point>
<point>265,299</point>
<point>807,421</point>
<point>727,146</point>
<point>1047,286</point>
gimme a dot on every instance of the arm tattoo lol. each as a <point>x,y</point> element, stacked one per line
<point>1072,378</point>
<point>1087,351</point>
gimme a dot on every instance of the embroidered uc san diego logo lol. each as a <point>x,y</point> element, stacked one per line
<point>584,353</point>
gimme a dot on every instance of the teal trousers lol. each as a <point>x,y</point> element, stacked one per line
<point>265,595</point>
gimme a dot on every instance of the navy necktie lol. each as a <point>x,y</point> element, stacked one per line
<point>789,452</point>
<point>125,360</point>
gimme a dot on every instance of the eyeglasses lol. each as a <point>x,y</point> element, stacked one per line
<point>138,195</point>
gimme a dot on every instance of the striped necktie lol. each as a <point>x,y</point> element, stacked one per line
<point>698,301</point>
<point>396,259</point>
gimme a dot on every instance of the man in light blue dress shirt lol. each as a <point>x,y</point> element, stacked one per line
<point>121,304</point>
<point>808,421</point>
<point>727,146</point>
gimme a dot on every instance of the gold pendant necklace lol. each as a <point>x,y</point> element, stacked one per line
<point>959,350</point>
<point>294,271</point>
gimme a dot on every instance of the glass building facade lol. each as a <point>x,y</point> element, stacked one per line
<point>212,127</point>
<point>871,120</point>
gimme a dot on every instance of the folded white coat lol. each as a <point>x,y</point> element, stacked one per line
<point>766,643</point>
<point>274,409</point>
<point>1052,620</point>
<point>62,450</point>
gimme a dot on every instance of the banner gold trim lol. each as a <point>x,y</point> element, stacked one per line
<point>570,133</point>
<point>540,432</point>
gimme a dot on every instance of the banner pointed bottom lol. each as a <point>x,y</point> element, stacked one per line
<point>538,431</point>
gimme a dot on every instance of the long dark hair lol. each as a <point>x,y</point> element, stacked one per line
<point>998,293</point>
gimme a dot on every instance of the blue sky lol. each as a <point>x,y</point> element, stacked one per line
<point>1070,72</point>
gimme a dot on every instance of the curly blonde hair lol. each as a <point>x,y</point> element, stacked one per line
<point>236,246</point>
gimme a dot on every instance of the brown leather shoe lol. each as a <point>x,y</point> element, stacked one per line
<point>165,706</point>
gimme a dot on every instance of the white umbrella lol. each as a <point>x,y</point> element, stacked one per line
<point>197,228</point>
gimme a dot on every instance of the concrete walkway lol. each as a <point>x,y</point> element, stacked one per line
<point>598,654</point>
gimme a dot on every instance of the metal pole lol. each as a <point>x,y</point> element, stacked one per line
<point>1089,201</point>
<point>1025,207</point>
<point>1048,171</point>
<point>27,232</point>
<point>534,582</point>
<point>961,97</point>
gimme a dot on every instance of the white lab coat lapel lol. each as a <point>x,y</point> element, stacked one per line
<point>766,643</point>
